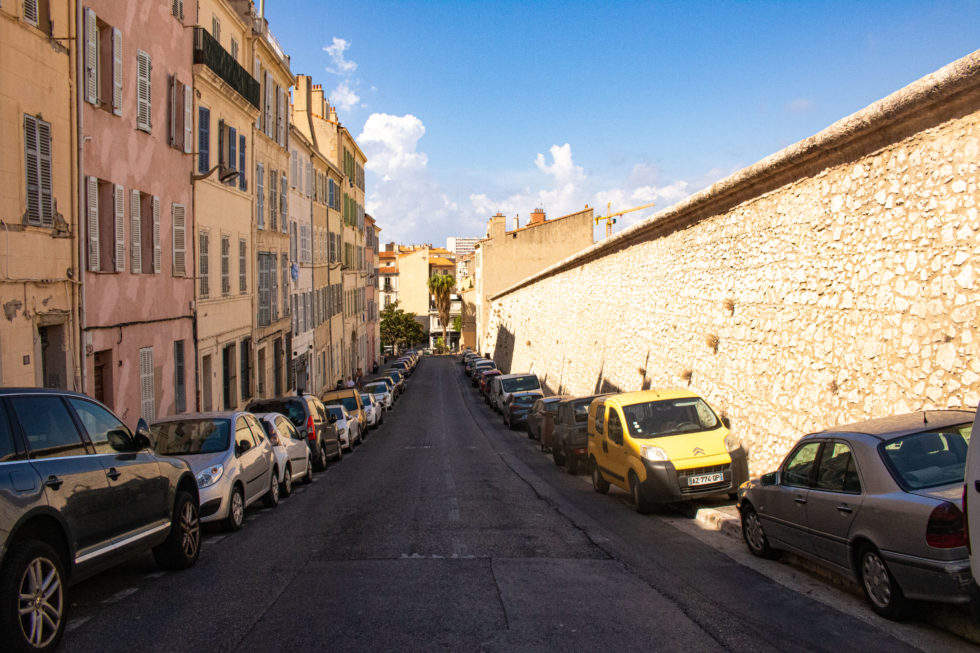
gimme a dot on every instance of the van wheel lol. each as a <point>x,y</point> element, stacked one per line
<point>33,609</point>
<point>639,501</point>
<point>880,587</point>
<point>599,484</point>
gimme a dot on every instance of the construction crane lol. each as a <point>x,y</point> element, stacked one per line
<point>610,218</point>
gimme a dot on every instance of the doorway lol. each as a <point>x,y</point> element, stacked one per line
<point>206,404</point>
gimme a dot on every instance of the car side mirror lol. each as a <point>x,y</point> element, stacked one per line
<point>141,439</point>
<point>727,422</point>
<point>772,478</point>
<point>242,446</point>
<point>333,418</point>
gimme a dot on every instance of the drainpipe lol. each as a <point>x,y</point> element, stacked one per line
<point>80,180</point>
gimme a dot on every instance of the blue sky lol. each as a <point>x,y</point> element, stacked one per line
<point>467,108</point>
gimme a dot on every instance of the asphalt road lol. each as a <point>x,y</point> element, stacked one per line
<point>445,531</point>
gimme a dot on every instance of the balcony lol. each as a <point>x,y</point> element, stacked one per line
<point>210,53</point>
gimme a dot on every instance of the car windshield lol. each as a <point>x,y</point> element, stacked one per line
<point>291,408</point>
<point>930,458</point>
<point>376,388</point>
<point>520,384</point>
<point>190,436</point>
<point>525,400</point>
<point>366,399</point>
<point>396,376</point>
<point>336,411</point>
<point>655,419</point>
<point>551,407</point>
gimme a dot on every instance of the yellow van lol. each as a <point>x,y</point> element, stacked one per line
<point>662,446</point>
<point>349,398</point>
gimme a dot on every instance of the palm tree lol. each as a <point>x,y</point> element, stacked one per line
<point>442,286</point>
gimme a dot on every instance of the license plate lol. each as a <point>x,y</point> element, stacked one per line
<point>705,479</point>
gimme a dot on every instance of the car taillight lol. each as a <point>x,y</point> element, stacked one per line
<point>310,428</point>
<point>966,522</point>
<point>946,528</point>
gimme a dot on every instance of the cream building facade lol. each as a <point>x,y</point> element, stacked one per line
<point>39,332</point>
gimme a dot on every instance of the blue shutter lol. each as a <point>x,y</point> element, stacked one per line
<point>203,139</point>
<point>241,162</point>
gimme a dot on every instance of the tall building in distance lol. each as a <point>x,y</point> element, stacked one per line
<point>459,246</point>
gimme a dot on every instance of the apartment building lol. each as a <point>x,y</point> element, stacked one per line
<point>303,183</point>
<point>39,339</point>
<point>136,160</point>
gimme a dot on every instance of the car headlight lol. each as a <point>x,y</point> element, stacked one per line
<point>209,476</point>
<point>654,454</point>
<point>731,443</point>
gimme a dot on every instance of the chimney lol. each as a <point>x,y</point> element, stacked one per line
<point>537,216</point>
<point>301,93</point>
<point>317,100</point>
<point>333,114</point>
<point>517,222</point>
<point>390,247</point>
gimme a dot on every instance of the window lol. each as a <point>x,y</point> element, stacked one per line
<point>284,266</point>
<point>245,367</point>
<point>202,266</point>
<point>48,426</point>
<point>267,106</point>
<point>177,9</point>
<point>180,106</point>
<point>293,241</point>
<point>216,28</point>
<point>103,64</point>
<point>203,139</point>
<point>106,206</point>
<point>798,469</point>
<point>266,269</point>
<point>234,48</point>
<point>100,424</point>
<point>304,244</point>
<point>225,265</point>
<point>178,216</point>
<point>242,266</point>
<point>837,472</point>
<point>147,393</point>
<point>37,173</point>
<point>283,202</point>
<point>260,195</point>
<point>144,67</point>
<point>180,387</point>
<point>144,217</point>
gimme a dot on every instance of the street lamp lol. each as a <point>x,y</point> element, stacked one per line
<point>225,174</point>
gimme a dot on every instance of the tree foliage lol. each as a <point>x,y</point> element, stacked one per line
<point>442,286</point>
<point>399,327</point>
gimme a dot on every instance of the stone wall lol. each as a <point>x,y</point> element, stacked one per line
<point>832,282</point>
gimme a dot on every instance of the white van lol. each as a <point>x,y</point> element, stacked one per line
<point>971,502</point>
<point>507,384</point>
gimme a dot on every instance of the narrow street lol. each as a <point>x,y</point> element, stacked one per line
<point>446,531</point>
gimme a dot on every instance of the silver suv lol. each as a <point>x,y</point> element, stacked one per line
<point>79,492</point>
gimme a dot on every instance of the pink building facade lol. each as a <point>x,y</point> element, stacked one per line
<point>137,158</point>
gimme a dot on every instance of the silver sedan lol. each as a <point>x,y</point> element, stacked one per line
<point>878,501</point>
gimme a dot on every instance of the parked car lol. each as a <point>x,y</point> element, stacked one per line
<point>481,366</point>
<point>507,384</point>
<point>543,409</point>
<point>231,457</point>
<point>517,408</point>
<point>485,377</point>
<point>308,416</point>
<point>293,457</point>
<point>569,440</point>
<point>373,411</point>
<point>400,383</point>
<point>971,508</point>
<point>348,428</point>
<point>402,366</point>
<point>382,394</point>
<point>662,446</point>
<point>79,493</point>
<point>877,501</point>
<point>351,400</point>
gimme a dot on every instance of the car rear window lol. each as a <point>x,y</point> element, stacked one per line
<point>520,384</point>
<point>190,436</point>
<point>291,408</point>
<point>525,400</point>
<point>582,410</point>
<point>930,458</point>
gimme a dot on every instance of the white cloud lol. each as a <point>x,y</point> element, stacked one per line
<point>341,65</point>
<point>563,169</point>
<point>391,146</point>
<point>343,97</point>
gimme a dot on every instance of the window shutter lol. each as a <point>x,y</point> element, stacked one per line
<point>221,143</point>
<point>91,57</point>
<point>242,265</point>
<point>241,162</point>
<point>30,11</point>
<point>203,139</point>
<point>267,113</point>
<point>260,195</point>
<point>273,290</point>
<point>117,76</point>
<point>177,9</point>
<point>257,74</point>
<point>119,200</point>
<point>37,170</point>
<point>273,200</point>
<point>93,223</point>
<point>188,117</point>
<point>280,114</point>
<point>172,113</point>
<point>147,400</point>
<point>284,203</point>
<point>156,235</point>
<point>178,214</point>
<point>293,238</point>
<point>232,148</point>
<point>203,270</point>
<point>292,169</point>
<point>143,90</point>
<point>284,266</point>
<point>136,233</point>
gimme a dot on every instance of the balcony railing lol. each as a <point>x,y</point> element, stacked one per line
<point>210,53</point>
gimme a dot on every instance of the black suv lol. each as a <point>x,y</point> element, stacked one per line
<point>78,493</point>
<point>311,419</point>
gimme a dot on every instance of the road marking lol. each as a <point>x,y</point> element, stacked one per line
<point>155,575</point>
<point>436,556</point>
<point>75,623</point>
<point>120,595</point>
